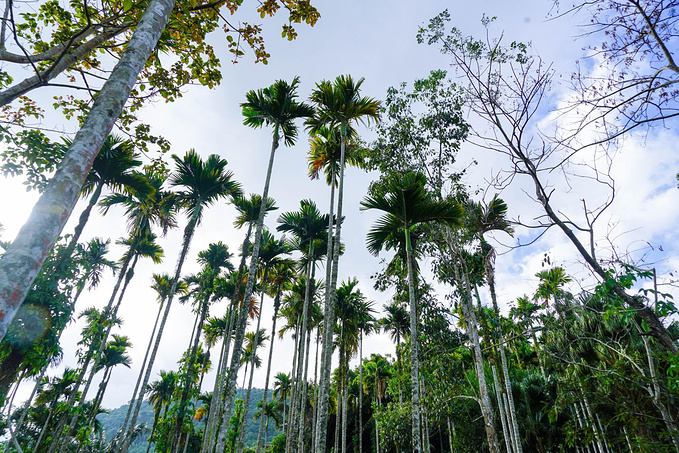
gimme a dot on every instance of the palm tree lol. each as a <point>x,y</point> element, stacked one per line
<point>138,246</point>
<point>406,204</point>
<point>160,394</point>
<point>354,312</point>
<point>114,168</point>
<point>213,259</point>
<point>282,387</point>
<point>397,323</point>
<point>162,284</point>
<point>339,104</point>
<point>273,106</point>
<point>551,284</point>
<point>248,214</point>
<point>377,371</point>
<point>93,260</point>
<point>203,183</point>
<point>309,227</point>
<point>55,389</point>
<point>114,354</point>
<point>485,218</point>
<point>270,410</point>
<point>282,276</point>
<point>270,252</point>
<point>367,324</point>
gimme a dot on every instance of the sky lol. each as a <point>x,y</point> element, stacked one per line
<point>374,39</point>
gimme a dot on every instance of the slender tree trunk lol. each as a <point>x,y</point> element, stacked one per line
<point>242,318</point>
<point>295,356</point>
<point>43,431</point>
<point>186,390</point>
<point>498,394</point>
<point>329,312</point>
<point>241,438</point>
<point>91,354</point>
<point>581,422</point>
<point>513,419</point>
<point>153,428</point>
<point>82,221</point>
<point>215,413</point>
<point>22,262</point>
<point>590,414</point>
<point>188,235</point>
<point>345,403</point>
<point>315,415</point>
<point>360,392</point>
<point>276,305</point>
<point>297,425</point>
<point>486,405</point>
<point>303,363</point>
<point>471,327</point>
<point>512,422</point>
<point>377,430</point>
<point>451,435</point>
<point>27,406</point>
<point>304,395</point>
<point>415,364</point>
<point>97,358</point>
<point>425,425</point>
<point>123,429</point>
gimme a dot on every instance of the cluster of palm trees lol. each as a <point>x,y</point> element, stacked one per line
<point>562,366</point>
<point>196,185</point>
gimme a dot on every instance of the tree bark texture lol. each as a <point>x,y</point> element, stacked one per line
<point>22,262</point>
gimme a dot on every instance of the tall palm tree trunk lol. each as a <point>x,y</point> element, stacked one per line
<point>242,318</point>
<point>123,429</point>
<point>97,357</point>
<point>484,399</point>
<point>295,355</point>
<point>186,390</point>
<point>501,409</point>
<point>56,436</point>
<point>345,402</point>
<point>43,431</point>
<point>315,414</point>
<point>305,393</point>
<point>84,217</point>
<point>276,305</point>
<point>303,363</point>
<point>415,364</point>
<point>188,235</point>
<point>472,331</point>
<point>246,405</point>
<point>27,404</point>
<point>156,417</point>
<point>293,419</point>
<point>360,393</point>
<point>329,312</point>
<point>214,416</point>
<point>512,422</point>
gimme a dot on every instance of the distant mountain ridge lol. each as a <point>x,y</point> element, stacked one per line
<point>113,420</point>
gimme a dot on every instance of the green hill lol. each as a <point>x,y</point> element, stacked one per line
<point>113,420</point>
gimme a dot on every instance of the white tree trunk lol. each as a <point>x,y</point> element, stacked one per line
<point>22,262</point>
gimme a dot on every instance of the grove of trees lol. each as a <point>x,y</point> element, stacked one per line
<point>583,360</point>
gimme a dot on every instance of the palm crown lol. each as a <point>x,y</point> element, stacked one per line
<point>204,182</point>
<point>276,106</point>
<point>406,203</point>
<point>338,103</point>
